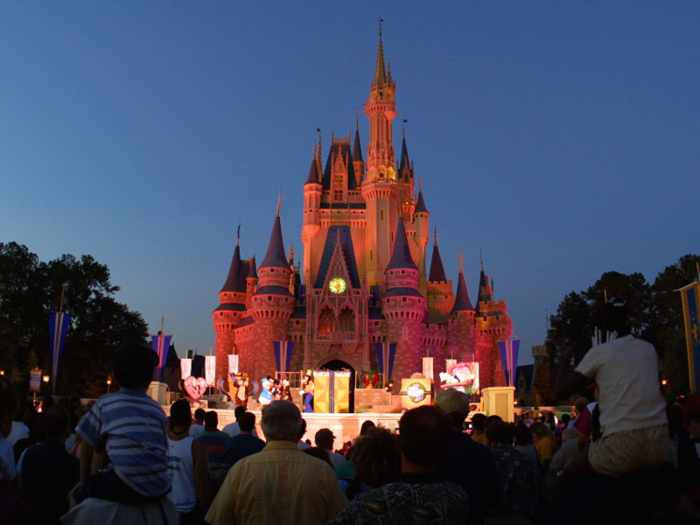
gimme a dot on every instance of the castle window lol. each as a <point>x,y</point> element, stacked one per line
<point>381,215</point>
<point>338,196</point>
<point>371,254</point>
<point>327,322</point>
<point>347,320</point>
<point>403,300</point>
<point>269,298</point>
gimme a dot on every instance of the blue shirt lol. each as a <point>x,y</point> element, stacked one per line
<point>134,431</point>
<point>242,446</point>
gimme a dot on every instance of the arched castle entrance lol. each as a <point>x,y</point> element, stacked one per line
<point>338,364</point>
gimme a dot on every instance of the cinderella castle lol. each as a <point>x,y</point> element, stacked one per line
<point>364,277</point>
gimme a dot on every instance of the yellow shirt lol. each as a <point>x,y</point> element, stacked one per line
<point>546,448</point>
<point>479,438</point>
<point>280,485</point>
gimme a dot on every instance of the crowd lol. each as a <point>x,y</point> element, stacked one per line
<point>622,457</point>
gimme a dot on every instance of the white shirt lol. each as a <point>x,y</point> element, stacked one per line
<point>196,429</point>
<point>336,459</point>
<point>19,431</point>
<point>627,372</point>
<point>233,429</point>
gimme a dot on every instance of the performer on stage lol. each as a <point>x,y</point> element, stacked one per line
<point>308,393</point>
<point>265,397</point>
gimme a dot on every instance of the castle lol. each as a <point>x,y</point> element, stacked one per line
<point>364,277</point>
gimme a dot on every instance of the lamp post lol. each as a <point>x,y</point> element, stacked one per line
<point>109,382</point>
<point>45,378</point>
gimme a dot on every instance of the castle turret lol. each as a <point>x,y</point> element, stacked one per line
<point>358,162</point>
<point>422,223</point>
<point>440,296</point>
<point>380,188</point>
<point>251,282</point>
<point>404,307</point>
<point>312,216</point>
<point>271,305</point>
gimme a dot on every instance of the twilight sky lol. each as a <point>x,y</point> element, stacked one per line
<point>560,137</point>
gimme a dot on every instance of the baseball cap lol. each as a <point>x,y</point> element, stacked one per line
<point>452,400</point>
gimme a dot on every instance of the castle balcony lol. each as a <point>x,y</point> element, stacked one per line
<point>337,336</point>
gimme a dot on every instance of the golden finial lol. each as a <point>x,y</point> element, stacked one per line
<point>279,202</point>
<point>357,119</point>
<point>420,184</point>
<point>291,253</point>
<point>481,258</point>
<point>238,235</point>
<point>435,235</point>
<point>380,71</point>
<point>461,269</point>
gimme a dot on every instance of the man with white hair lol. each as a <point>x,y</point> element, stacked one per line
<point>281,484</point>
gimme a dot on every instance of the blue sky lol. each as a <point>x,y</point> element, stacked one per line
<point>560,137</point>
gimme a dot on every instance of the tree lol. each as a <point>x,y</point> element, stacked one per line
<point>542,391</point>
<point>29,289</point>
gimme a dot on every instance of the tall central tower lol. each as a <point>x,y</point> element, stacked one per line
<point>380,187</point>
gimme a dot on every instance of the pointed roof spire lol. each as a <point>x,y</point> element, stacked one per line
<point>275,257</point>
<point>404,162</point>
<point>420,206</point>
<point>462,302</point>
<point>279,202</point>
<point>232,281</point>
<point>437,270</point>
<point>485,291</point>
<point>401,258</point>
<point>252,270</point>
<point>314,173</point>
<point>356,147</point>
<point>380,70</point>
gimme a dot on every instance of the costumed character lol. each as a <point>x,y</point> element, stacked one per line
<point>285,393</point>
<point>451,382</point>
<point>241,397</point>
<point>307,394</point>
<point>276,390</point>
<point>265,397</point>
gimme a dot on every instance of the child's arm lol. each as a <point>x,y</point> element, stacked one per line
<point>86,453</point>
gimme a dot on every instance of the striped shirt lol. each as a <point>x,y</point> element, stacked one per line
<point>133,429</point>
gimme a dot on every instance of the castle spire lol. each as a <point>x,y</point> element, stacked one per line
<point>401,258</point>
<point>314,173</point>
<point>252,270</point>
<point>462,302</point>
<point>437,270</point>
<point>420,206</point>
<point>232,280</point>
<point>380,69</point>
<point>275,257</point>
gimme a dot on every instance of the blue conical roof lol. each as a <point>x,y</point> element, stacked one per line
<point>401,258</point>
<point>252,270</point>
<point>462,302</point>
<point>404,156</point>
<point>232,283</point>
<point>420,206</point>
<point>357,148</point>
<point>314,176</point>
<point>275,257</point>
<point>437,270</point>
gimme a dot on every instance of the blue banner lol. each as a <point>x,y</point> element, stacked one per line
<point>283,354</point>
<point>161,345</point>
<point>386,353</point>
<point>509,356</point>
<point>58,329</point>
<point>691,300</point>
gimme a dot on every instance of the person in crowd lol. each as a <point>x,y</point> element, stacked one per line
<point>214,441</point>
<point>419,495</point>
<point>469,464</point>
<point>320,453</point>
<point>198,425</point>
<point>245,443</point>
<point>30,421</point>
<point>188,467</point>
<point>579,405</point>
<point>19,429</point>
<point>281,484</point>
<point>346,470</point>
<point>478,422</point>
<point>584,422</point>
<point>378,462</point>
<point>48,471</point>
<point>133,430</point>
<point>302,431</point>
<point>324,439</point>
<point>632,410</point>
<point>546,445</point>
<point>550,419</point>
<point>12,508</point>
<point>567,451</point>
<point>523,442</point>
<point>518,477</point>
<point>233,429</point>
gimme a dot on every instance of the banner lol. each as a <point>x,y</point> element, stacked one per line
<point>283,354</point>
<point>233,364</point>
<point>210,369</point>
<point>35,380</point>
<point>386,352</point>
<point>691,302</point>
<point>161,344</point>
<point>58,328</point>
<point>509,356</point>
<point>428,368</point>
<point>185,368</point>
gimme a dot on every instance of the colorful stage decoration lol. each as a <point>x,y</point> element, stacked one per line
<point>233,363</point>
<point>428,370</point>
<point>509,356</point>
<point>283,354</point>
<point>386,352</point>
<point>463,377</point>
<point>58,329</point>
<point>185,367</point>
<point>210,369</point>
<point>691,314</point>
<point>370,378</point>
<point>195,387</point>
<point>332,391</point>
<point>416,391</point>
